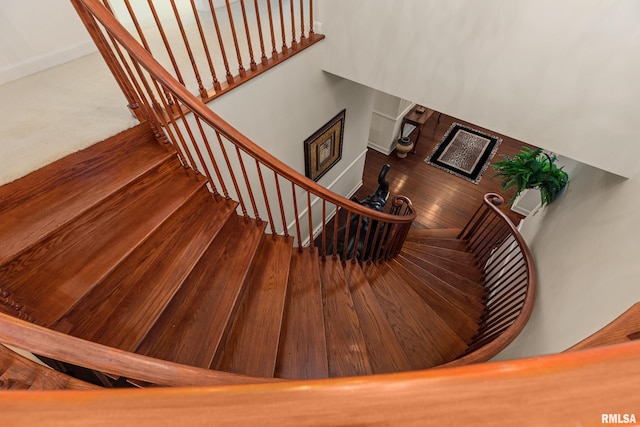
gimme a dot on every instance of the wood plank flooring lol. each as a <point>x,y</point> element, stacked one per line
<point>441,200</point>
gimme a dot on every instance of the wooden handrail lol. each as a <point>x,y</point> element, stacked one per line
<point>178,97</point>
<point>556,390</point>
<point>624,328</point>
<point>69,349</point>
<point>492,345</point>
<point>214,120</point>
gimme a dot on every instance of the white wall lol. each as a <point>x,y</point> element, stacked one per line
<point>386,119</point>
<point>39,34</point>
<point>284,106</point>
<point>585,247</point>
<point>558,74</point>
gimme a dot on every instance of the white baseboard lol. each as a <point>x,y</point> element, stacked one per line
<point>48,60</point>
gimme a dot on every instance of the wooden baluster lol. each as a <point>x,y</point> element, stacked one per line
<point>233,177</point>
<point>112,62</point>
<point>165,41</point>
<point>336,226</point>
<point>388,240</point>
<point>354,258</point>
<point>485,235</point>
<point>205,45</point>
<point>247,185</point>
<point>365,243</point>
<point>294,43</point>
<point>346,238</point>
<point>176,128</point>
<point>187,45</point>
<point>310,218</point>
<point>136,24</point>
<point>499,284</point>
<point>241,70</point>
<point>324,230</point>
<point>212,158</point>
<point>311,33</point>
<point>384,232</point>
<point>194,145</point>
<point>266,198</point>
<point>214,16</point>
<point>285,49</point>
<point>302,37</point>
<point>252,61</point>
<point>274,51</point>
<point>473,222</point>
<point>159,110</point>
<point>263,57</point>
<point>296,216</point>
<point>283,215</point>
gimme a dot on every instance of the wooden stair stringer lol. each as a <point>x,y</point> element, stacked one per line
<point>192,326</point>
<point>77,257</point>
<point>346,347</point>
<point>303,351</point>
<point>251,346</point>
<point>425,338</point>
<point>36,205</point>
<point>127,303</point>
<point>385,351</point>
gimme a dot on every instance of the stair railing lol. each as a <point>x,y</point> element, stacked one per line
<point>509,280</point>
<point>112,361</point>
<point>234,167</point>
<point>212,46</point>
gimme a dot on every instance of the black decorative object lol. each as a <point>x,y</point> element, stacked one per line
<point>355,245</point>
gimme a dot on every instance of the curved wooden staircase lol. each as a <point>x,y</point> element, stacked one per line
<point>118,245</point>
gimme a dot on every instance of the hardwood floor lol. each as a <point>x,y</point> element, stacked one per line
<point>441,200</point>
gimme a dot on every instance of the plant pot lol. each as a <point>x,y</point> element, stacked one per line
<point>403,146</point>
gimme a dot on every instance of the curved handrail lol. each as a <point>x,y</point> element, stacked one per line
<point>563,389</point>
<point>494,345</point>
<point>196,106</point>
<point>98,357</point>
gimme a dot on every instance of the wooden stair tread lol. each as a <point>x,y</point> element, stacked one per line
<point>384,349</point>
<point>303,352</point>
<point>192,326</point>
<point>36,205</point>
<point>437,233</point>
<point>465,270</point>
<point>346,347</point>
<point>251,347</point>
<point>84,252</point>
<point>470,304</point>
<point>456,255</point>
<point>426,339</point>
<point>452,278</point>
<point>119,311</point>
<point>460,322</point>
<point>20,373</point>
<point>454,244</point>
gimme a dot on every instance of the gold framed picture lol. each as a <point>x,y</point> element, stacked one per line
<point>323,149</point>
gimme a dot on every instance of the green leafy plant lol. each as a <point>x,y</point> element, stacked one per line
<point>532,169</point>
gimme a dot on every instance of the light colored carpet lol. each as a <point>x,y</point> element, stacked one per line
<point>56,112</point>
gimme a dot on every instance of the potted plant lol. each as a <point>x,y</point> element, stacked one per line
<point>532,168</point>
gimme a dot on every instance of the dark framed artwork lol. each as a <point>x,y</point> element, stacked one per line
<point>323,149</point>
